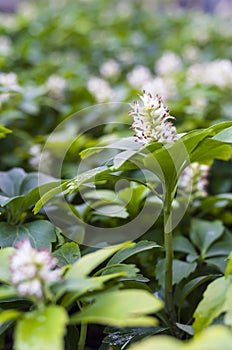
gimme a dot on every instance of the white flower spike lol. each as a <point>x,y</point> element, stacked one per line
<point>31,269</point>
<point>151,121</point>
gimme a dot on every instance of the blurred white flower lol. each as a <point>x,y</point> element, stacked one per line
<point>139,76</point>
<point>126,57</point>
<point>36,155</point>
<point>100,89</point>
<point>163,86</point>
<point>9,80</point>
<point>151,120</point>
<point>216,73</point>
<point>110,69</point>
<point>4,97</point>
<point>124,9</point>
<point>9,84</point>
<point>5,45</point>
<point>8,22</point>
<point>31,269</point>
<point>56,86</point>
<point>191,53</point>
<point>194,179</point>
<point>168,63</point>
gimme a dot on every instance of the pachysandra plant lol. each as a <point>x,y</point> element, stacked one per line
<point>180,162</point>
<point>50,287</point>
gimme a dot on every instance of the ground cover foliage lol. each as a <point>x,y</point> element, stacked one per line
<point>112,237</point>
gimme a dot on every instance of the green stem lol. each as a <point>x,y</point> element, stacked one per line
<point>82,339</point>
<point>168,258</point>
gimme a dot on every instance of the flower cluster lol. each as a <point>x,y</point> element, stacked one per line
<point>194,179</point>
<point>169,63</point>
<point>32,269</point>
<point>215,73</point>
<point>151,121</point>
<point>56,86</point>
<point>100,89</point>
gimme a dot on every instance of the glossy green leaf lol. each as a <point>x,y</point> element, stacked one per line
<point>47,196</point>
<point>214,338</point>
<point>125,336</point>
<point>67,254</point>
<point>125,253</point>
<point>180,270</point>
<point>8,315</point>
<point>218,263</point>
<point>41,233</point>
<point>121,144</point>
<point>122,308</point>
<point>112,210</point>
<point>224,135</point>
<point>130,269</point>
<point>41,329</point>
<point>182,244</point>
<point>212,304</point>
<point>88,176</point>
<point>80,286</point>
<point>203,233</point>
<point>89,262</point>
<point>209,150</point>
<point>190,287</point>
<point>186,328</point>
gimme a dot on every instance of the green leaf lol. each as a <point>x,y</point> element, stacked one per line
<point>190,287</point>
<point>214,338</point>
<point>4,131</point>
<point>209,150</point>
<point>186,328</point>
<point>129,269</point>
<point>224,135</point>
<point>41,329</point>
<point>125,253</point>
<point>89,262</point>
<point>67,254</point>
<point>80,286</point>
<point>112,210</point>
<point>212,304</point>
<point>182,244</point>
<point>180,270</point>
<point>48,195</point>
<point>8,315</point>
<point>121,144</point>
<point>41,234</point>
<point>10,181</point>
<point>133,197</point>
<point>125,336</point>
<point>217,262</point>
<point>229,266</point>
<point>5,273</point>
<point>88,176</point>
<point>203,233</point>
<point>7,293</point>
<point>122,308</point>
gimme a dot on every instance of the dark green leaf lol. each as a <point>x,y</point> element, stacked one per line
<point>41,234</point>
<point>125,253</point>
<point>180,270</point>
<point>67,254</point>
<point>203,233</point>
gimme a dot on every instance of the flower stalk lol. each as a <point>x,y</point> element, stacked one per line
<point>168,244</point>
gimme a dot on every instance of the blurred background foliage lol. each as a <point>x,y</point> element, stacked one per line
<point>57,58</point>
